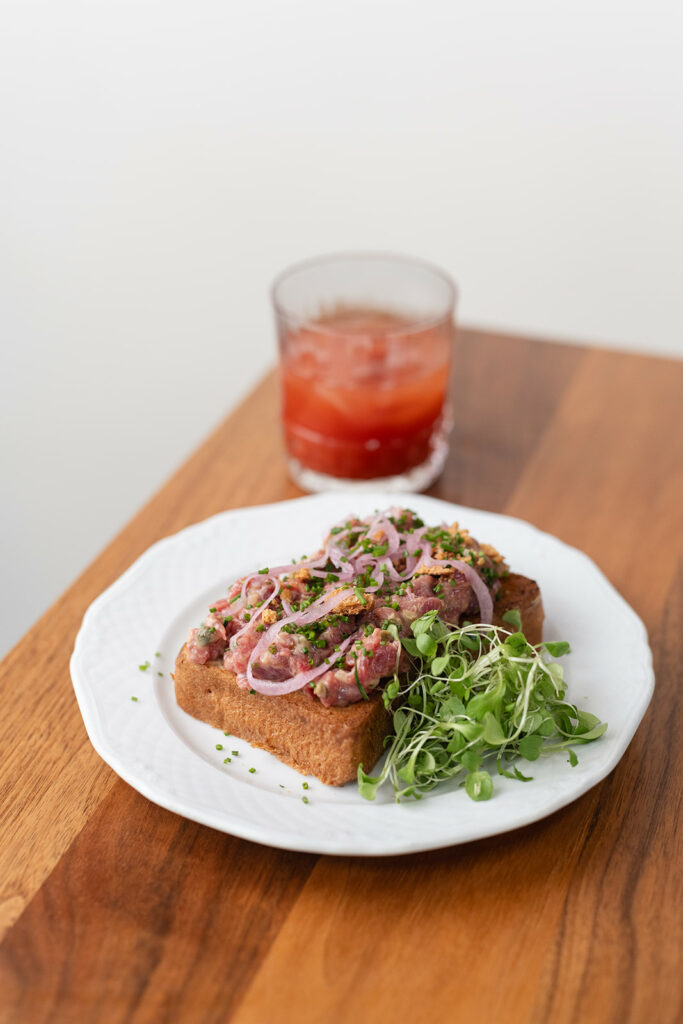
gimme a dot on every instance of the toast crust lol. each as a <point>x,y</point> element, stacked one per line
<point>328,743</point>
<point>524,594</point>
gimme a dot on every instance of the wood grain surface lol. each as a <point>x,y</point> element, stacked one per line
<point>112,909</point>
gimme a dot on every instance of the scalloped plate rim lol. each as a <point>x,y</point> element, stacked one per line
<point>292,840</point>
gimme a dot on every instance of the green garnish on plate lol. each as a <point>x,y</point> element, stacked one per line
<point>478,695</point>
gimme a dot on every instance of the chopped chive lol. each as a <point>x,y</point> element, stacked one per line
<point>219,746</point>
<point>358,683</point>
<point>252,770</point>
<point>133,698</point>
<point>144,666</point>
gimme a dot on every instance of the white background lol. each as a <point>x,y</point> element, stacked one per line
<point>161,161</point>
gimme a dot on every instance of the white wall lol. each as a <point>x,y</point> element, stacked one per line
<point>161,161</point>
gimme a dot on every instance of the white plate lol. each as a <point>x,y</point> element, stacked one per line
<point>172,759</point>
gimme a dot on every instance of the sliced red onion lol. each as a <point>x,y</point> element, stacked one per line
<point>381,522</point>
<point>257,614</point>
<point>390,569</point>
<point>373,585</point>
<point>275,689</point>
<point>309,563</point>
<point>480,589</point>
<point>346,575</point>
<point>330,554</point>
<point>324,604</point>
<point>340,574</point>
<point>361,561</point>
<point>245,584</point>
<point>413,539</point>
<point>414,543</point>
<point>321,607</point>
<point>339,558</point>
<point>412,562</point>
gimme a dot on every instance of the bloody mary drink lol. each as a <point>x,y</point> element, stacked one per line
<point>364,392</point>
<point>360,400</point>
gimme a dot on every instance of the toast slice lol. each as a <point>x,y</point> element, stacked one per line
<point>328,743</point>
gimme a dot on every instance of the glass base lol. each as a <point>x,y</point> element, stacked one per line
<point>416,479</point>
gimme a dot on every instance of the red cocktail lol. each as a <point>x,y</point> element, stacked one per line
<point>364,386</point>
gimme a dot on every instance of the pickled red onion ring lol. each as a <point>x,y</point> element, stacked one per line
<point>481,591</point>
<point>381,522</point>
<point>413,539</point>
<point>297,682</point>
<point>315,611</point>
<point>257,614</point>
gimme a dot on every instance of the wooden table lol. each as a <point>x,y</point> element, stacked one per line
<point>112,909</point>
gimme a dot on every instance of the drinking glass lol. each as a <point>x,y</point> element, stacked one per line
<point>366,342</point>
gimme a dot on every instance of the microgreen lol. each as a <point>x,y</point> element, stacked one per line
<point>513,616</point>
<point>475,694</point>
